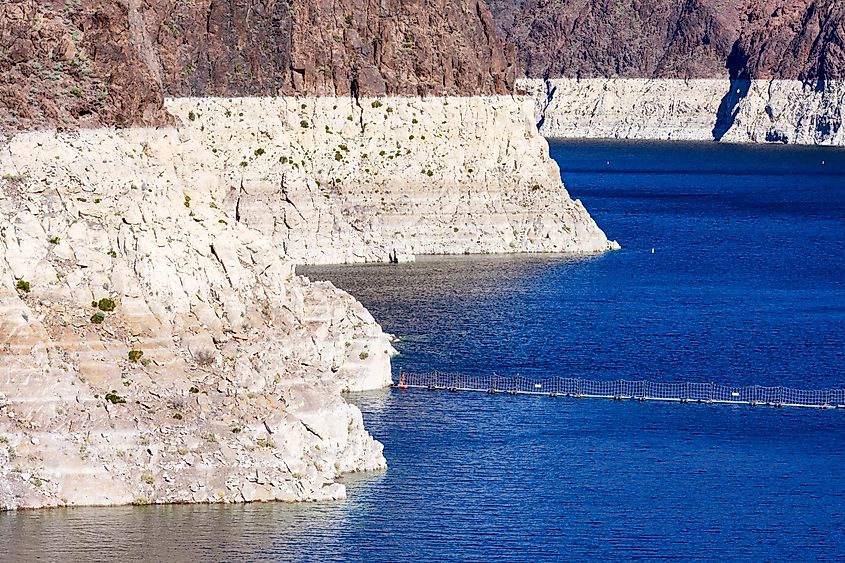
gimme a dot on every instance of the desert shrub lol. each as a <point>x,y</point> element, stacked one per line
<point>114,398</point>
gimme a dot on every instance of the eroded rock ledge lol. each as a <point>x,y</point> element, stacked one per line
<point>155,344</point>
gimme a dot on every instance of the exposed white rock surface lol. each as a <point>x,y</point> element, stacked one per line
<point>783,111</point>
<point>216,373</point>
<point>332,181</point>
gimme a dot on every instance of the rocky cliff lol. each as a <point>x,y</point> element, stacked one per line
<point>112,62</point>
<point>682,39</point>
<point>750,71</point>
<point>71,64</point>
<point>155,344</point>
<point>313,47</point>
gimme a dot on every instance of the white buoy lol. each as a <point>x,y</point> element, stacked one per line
<point>652,250</point>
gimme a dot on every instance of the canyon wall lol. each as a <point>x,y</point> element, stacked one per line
<point>95,63</point>
<point>163,166</point>
<point>750,71</point>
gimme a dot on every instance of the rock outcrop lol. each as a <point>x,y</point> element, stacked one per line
<point>330,180</point>
<point>156,345</point>
<point>154,348</point>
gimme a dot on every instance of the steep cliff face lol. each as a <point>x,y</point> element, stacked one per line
<point>314,47</point>
<point>798,39</point>
<point>65,64</point>
<point>111,62</point>
<point>784,39</point>
<point>153,348</point>
<point>618,38</point>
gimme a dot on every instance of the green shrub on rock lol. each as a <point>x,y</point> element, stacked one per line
<point>106,305</point>
<point>23,286</point>
<point>114,398</point>
<point>98,318</point>
<point>135,355</point>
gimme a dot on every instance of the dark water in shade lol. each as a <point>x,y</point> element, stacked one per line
<point>746,285</point>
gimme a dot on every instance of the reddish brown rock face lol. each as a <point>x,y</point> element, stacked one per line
<point>675,38</point>
<point>315,47</point>
<point>110,62</point>
<point>64,66</point>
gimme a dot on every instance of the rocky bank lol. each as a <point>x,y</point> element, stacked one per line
<point>758,111</point>
<point>155,343</point>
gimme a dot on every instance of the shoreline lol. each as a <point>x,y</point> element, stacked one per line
<point>724,110</point>
<point>158,347</point>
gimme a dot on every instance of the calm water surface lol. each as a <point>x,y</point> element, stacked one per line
<point>746,285</point>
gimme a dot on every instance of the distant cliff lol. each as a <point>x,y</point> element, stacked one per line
<point>792,39</point>
<point>746,71</point>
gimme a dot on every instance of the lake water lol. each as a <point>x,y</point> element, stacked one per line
<point>745,285</point>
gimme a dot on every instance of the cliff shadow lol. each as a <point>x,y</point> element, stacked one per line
<point>739,88</point>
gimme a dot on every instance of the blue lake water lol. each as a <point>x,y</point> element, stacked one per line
<point>745,285</point>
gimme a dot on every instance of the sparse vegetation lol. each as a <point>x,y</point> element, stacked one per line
<point>177,416</point>
<point>259,151</point>
<point>98,318</point>
<point>376,104</point>
<point>265,443</point>
<point>106,305</point>
<point>135,355</point>
<point>14,178</point>
<point>192,116</point>
<point>364,355</point>
<point>114,398</point>
<point>194,390</point>
<point>147,479</point>
<point>187,200</point>
<point>23,286</point>
<point>304,124</point>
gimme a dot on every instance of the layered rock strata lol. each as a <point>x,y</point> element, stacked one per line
<point>781,111</point>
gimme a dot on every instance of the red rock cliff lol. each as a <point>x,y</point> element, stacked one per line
<point>675,38</point>
<point>96,62</point>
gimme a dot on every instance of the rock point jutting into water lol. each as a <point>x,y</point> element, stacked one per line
<point>155,343</point>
